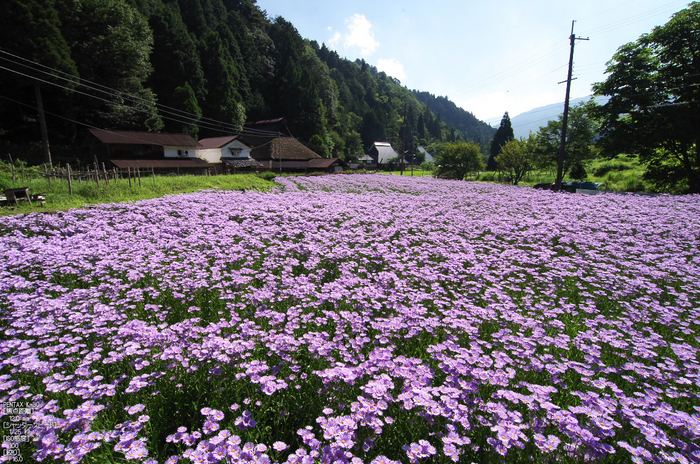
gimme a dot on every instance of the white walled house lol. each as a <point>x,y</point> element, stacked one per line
<point>214,149</point>
<point>228,153</point>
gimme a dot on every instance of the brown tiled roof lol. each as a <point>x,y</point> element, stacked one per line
<point>144,138</point>
<point>217,142</point>
<point>291,149</point>
<point>174,163</point>
<point>324,163</point>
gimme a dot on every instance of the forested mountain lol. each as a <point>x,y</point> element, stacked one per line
<point>202,67</point>
<point>463,121</point>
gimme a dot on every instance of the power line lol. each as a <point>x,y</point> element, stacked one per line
<point>167,113</point>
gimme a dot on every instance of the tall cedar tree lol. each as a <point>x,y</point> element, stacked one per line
<point>503,135</point>
<point>111,43</point>
<point>30,29</point>
<point>175,60</point>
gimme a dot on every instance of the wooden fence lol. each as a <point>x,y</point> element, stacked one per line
<point>99,174</point>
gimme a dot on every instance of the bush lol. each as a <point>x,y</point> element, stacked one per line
<point>427,165</point>
<point>635,185</point>
<point>488,176</point>
<point>578,172</point>
<point>266,175</point>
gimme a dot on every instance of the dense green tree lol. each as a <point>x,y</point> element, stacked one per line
<point>503,135</point>
<point>578,171</point>
<point>31,29</point>
<point>222,102</point>
<point>193,15</point>
<point>175,58</point>
<point>296,87</point>
<point>654,90</point>
<point>31,38</point>
<point>110,42</point>
<point>318,144</point>
<point>515,160</point>
<point>580,136</point>
<point>257,57</point>
<point>457,160</point>
<point>178,78</point>
<point>185,100</point>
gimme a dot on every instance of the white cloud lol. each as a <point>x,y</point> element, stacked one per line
<point>392,67</point>
<point>335,40</point>
<point>359,35</point>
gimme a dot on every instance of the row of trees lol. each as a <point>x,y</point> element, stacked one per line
<point>202,67</point>
<point>516,158</point>
<point>652,110</point>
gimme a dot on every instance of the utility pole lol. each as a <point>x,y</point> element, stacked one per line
<point>562,143</point>
<point>42,125</point>
<point>403,145</point>
<point>279,148</point>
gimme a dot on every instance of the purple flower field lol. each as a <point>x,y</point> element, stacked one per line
<point>362,319</point>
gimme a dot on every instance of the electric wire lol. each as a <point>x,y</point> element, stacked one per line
<point>172,115</point>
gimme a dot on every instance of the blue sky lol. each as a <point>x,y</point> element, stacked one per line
<point>488,57</point>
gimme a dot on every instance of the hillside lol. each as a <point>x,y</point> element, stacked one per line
<point>464,122</point>
<point>202,67</point>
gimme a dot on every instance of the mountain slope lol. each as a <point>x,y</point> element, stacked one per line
<point>471,128</point>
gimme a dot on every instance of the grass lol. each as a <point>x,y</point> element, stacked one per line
<point>58,197</point>
<point>416,173</point>
<point>623,173</point>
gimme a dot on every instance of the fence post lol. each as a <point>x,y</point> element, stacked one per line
<point>104,171</point>
<point>46,174</point>
<point>153,173</point>
<point>12,165</point>
<point>128,174</point>
<point>97,171</point>
<point>70,182</point>
<point>138,174</point>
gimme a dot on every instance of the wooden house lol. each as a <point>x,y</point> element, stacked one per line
<point>227,154</point>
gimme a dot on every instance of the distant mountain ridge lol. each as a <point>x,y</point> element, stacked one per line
<point>531,121</point>
<point>472,129</point>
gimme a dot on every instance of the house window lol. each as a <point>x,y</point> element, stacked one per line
<point>235,152</point>
<point>183,153</point>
